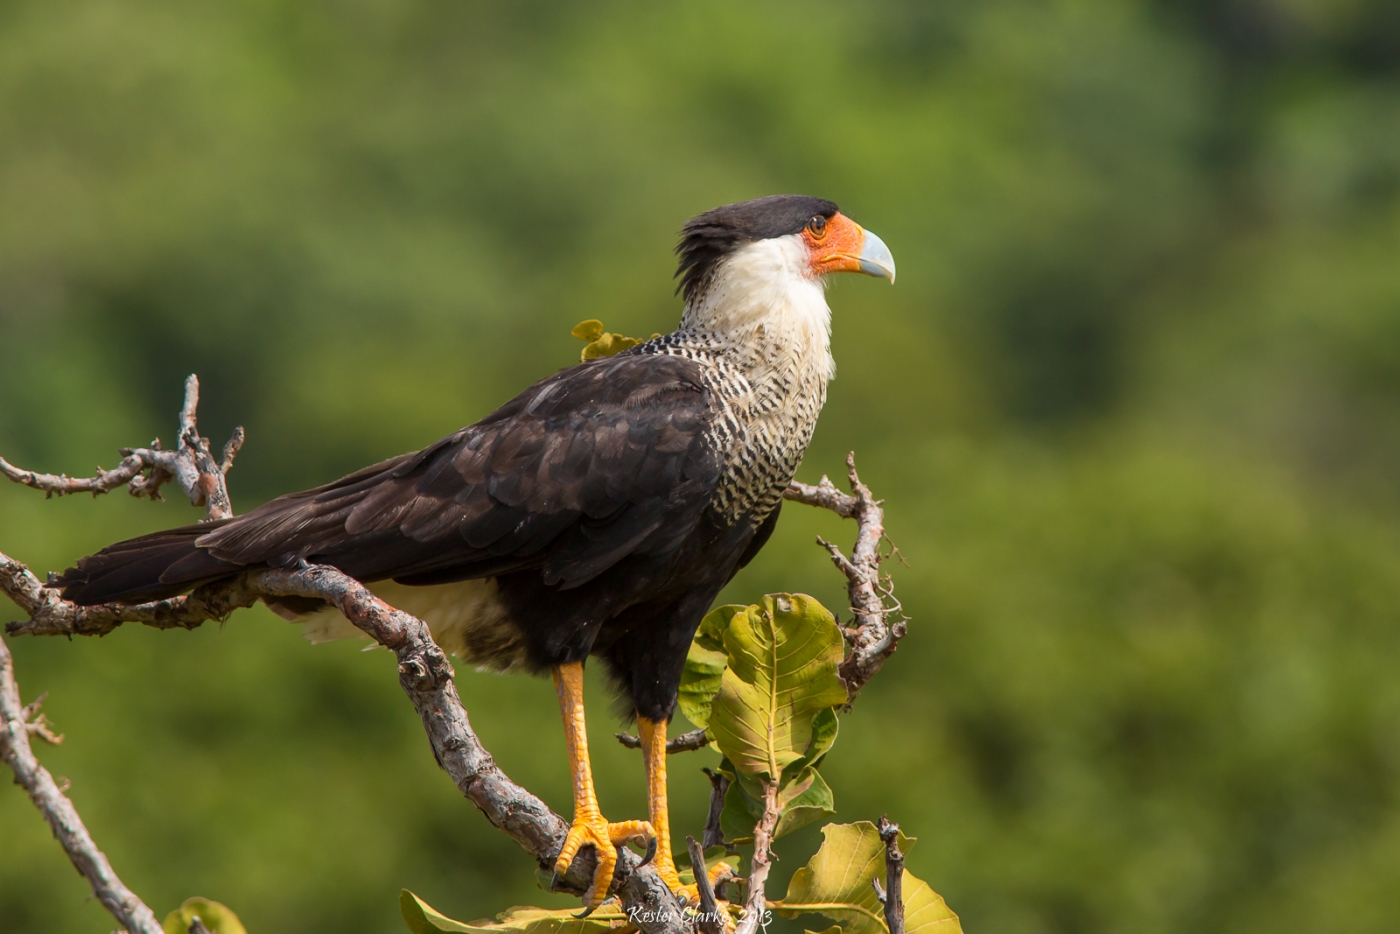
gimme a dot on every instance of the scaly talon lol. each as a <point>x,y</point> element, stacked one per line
<point>605,839</point>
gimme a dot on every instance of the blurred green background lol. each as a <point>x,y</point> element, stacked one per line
<point>1134,405</point>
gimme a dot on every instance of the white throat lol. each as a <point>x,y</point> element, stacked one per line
<point>763,297</point>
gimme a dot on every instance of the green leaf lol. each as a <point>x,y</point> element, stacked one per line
<point>700,681</point>
<point>783,653</point>
<point>836,883</point>
<point>422,918</point>
<point>710,635</point>
<point>705,664</point>
<point>824,728</point>
<point>741,811</point>
<point>804,800</point>
<point>219,919</point>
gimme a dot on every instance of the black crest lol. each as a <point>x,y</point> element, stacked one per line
<point>709,237</point>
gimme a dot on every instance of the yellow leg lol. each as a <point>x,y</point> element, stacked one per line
<point>653,736</point>
<point>589,825</point>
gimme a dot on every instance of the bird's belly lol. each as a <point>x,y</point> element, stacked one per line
<point>467,619</point>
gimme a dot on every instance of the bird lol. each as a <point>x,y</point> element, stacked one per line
<point>598,514</point>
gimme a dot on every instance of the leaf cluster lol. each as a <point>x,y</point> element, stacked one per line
<point>761,680</point>
<point>602,343</point>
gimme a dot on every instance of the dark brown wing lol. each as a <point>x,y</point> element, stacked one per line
<point>600,461</point>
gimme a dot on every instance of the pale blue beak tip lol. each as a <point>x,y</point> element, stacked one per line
<point>875,258</point>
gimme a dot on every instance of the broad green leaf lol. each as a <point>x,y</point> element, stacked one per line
<point>836,883</point>
<point>824,727</point>
<point>609,344</point>
<point>710,635</point>
<point>700,681</point>
<point>422,918</point>
<point>741,812</point>
<point>219,919</point>
<point>783,653</point>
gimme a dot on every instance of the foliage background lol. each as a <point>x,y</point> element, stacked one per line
<point>1134,403</point>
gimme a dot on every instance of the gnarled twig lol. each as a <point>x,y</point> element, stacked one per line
<point>755,898</point>
<point>145,470</point>
<point>686,742</point>
<point>719,787</point>
<point>875,635</point>
<point>16,724</point>
<point>892,895</point>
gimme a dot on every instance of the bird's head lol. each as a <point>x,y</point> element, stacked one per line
<point>775,238</point>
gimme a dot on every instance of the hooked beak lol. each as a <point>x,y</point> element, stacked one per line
<point>875,258</point>
<point>848,247</point>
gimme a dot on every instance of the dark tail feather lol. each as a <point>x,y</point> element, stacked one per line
<point>152,567</point>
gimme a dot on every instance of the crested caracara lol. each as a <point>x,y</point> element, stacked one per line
<point>597,513</point>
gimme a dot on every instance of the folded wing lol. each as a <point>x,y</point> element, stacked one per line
<point>600,461</point>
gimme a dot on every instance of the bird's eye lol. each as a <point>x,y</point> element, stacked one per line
<point>817,225</point>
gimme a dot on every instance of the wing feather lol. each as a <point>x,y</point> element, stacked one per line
<point>600,461</point>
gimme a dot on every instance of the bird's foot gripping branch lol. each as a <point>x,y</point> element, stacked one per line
<point>768,701</point>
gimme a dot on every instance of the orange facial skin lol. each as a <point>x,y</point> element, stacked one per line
<point>835,246</point>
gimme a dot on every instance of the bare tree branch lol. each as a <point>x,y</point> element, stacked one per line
<point>893,894</point>
<point>755,898</point>
<point>51,615</point>
<point>710,921</point>
<point>719,787</point>
<point>60,484</point>
<point>37,723</point>
<point>145,470</point>
<point>875,635</point>
<point>686,742</point>
<point>67,826</point>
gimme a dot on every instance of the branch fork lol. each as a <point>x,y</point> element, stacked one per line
<point>879,621</point>
<point>37,723</point>
<point>145,470</point>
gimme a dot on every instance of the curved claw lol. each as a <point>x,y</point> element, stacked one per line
<point>605,838</point>
<point>651,852</point>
